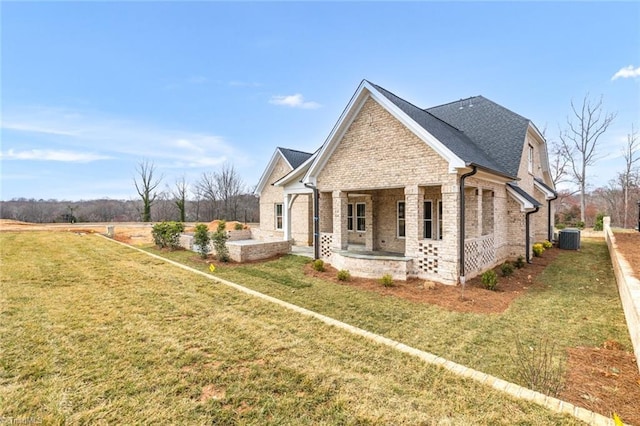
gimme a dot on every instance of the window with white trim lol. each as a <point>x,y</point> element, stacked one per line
<point>360,221</point>
<point>278,215</point>
<point>401,219</point>
<point>349,217</point>
<point>530,157</point>
<point>428,219</point>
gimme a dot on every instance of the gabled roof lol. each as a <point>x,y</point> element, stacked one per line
<point>549,193</point>
<point>497,131</point>
<point>293,158</point>
<point>457,141</point>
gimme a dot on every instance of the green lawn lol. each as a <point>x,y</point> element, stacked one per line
<point>577,306</point>
<point>92,332</point>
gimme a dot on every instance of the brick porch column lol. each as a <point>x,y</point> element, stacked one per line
<point>412,219</point>
<point>340,234</point>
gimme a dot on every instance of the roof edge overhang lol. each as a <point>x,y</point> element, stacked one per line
<point>296,173</point>
<point>549,193</point>
<point>267,171</point>
<point>527,202</point>
<point>364,91</point>
<point>502,177</point>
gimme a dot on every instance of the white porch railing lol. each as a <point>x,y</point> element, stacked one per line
<point>478,253</point>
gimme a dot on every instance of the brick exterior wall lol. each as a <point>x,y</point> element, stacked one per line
<point>301,210</point>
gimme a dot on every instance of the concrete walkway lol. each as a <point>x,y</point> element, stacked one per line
<point>509,388</point>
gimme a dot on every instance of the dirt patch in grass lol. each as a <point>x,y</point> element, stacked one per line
<point>473,298</point>
<point>604,380</point>
<point>629,246</point>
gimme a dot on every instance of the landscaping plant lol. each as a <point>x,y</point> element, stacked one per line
<point>387,280</point>
<point>202,239</point>
<point>167,234</point>
<point>220,238</point>
<point>344,275</point>
<point>519,263</point>
<point>490,280</point>
<point>318,265</point>
<point>536,367</point>
<point>507,269</point>
<point>538,249</point>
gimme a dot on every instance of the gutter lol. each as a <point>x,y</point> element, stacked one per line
<point>527,238</point>
<point>316,221</point>
<point>462,221</point>
<point>549,230</point>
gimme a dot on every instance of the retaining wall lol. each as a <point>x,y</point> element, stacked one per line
<point>628,287</point>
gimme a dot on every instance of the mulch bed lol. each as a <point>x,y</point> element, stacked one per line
<point>629,246</point>
<point>605,380</point>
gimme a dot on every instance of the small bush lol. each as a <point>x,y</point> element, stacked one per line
<point>560,226</point>
<point>599,225</point>
<point>580,224</point>
<point>547,244</point>
<point>537,367</point>
<point>519,263</point>
<point>219,239</point>
<point>507,269</point>
<point>238,226</point>
<point>318,265</point>
<point>387,280</point>
<point>490,279</point>
<point>344,275</point>
<point>538,249</point>
<point>202,239</point>
<point>167,234</point>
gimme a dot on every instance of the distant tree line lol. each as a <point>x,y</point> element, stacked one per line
<point>216,195</point>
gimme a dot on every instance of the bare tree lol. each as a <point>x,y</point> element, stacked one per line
<point>631,156</point>
<point>179,192</point>
<point>146,187</point>
<point>208,190</point>
<point>559,163</point>
<point>580,141</point>
<point>229,186</point>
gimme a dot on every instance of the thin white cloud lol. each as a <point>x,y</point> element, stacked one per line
<point>61,130</point>
<point>52,155</point>
<point>294,101</point>
<point>627,72</point>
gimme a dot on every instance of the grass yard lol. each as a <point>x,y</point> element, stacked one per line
<point>92,332</point>
<point>578,305</point>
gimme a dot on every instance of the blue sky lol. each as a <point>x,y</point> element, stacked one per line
<point>88,90</point>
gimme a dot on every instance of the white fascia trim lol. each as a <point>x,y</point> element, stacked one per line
<point>548,195</point>
<point>292,175</point>
<point>525,204</point>
<point>267,171</point>
<point>351,111</point>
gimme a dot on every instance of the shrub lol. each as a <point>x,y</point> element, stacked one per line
<point>536,367</point>
<point>202,239</point>
<point>519,263</point>
<point>219,239</point>
<point>318,265</point>
<point>538,249</point>
<point>547,244</point>
<point>560,226</point>
<point>387,280</point>
<point>344,275</point>
<point>490,279</point>
<point>167,234</point>
<point>507,269</point>
<point>599,225</point>
<point>580,224</point>
<point>238,226</point>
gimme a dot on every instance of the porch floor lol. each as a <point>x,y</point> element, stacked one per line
<point>366,254</point>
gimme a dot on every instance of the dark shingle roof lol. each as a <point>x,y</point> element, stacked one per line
<point>477,130</point>
<point>497,131</point>
<point>524,194</point>
<point>295,158</point>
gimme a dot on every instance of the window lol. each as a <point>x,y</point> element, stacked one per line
<point>428,220</point>
<point>349,217</point>
<point>530,159</point>
<point>401,219</point>
<point>278,215</point>
<point>360,223</point>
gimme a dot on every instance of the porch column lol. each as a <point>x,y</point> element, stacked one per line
<point>412,219</point>
<point>340,233</point>
<point>479,230</point>
<point>286,216</point>
<point>368,223</point>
